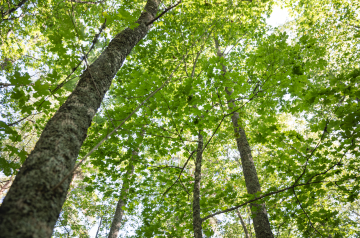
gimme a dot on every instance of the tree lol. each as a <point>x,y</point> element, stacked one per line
<point>40,187</point>
<point>205,72</point>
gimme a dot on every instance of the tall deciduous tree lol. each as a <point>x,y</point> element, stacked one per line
<point>293,89</point>
<point>34,201</point>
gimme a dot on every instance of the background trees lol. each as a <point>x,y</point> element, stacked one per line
<point>295,89</point>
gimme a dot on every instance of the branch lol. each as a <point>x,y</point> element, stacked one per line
<point>357,27</point>
<point>165,166</point>
<point>213,134</point>
<point>161,14</point>
<point>11,10</point>
<point>267,195</point>
<point>187,161</point>
<point>18,121</point>
<point>85,2</point>
<point>185,189</point>
<point>5,85</point>
<point>66,80</point>
<point>306,213</point>
<point>313,151</point>
<point>331,167</point>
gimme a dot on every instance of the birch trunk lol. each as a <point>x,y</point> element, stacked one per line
<point>31,207</point>
<point>243,224</point>
<point>197,223</point>
<point>260,218</point>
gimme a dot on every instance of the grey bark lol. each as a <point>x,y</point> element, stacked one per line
<point>119,212</point>
<point>260,218</point>
<point>243,224</point>
<point>31,206</point>
<point>97,232</point>
<point>196,193</point>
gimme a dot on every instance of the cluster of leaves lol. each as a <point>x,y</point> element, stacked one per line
<point>297,94</point>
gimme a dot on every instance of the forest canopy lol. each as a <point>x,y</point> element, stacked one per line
<point>188,118</point>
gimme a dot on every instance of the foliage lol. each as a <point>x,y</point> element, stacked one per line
<point>296,87</point>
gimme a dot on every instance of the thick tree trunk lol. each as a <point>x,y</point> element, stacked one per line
<point>260,218</point>
<point>196,193</point>
<point>243,224</point>
<point>31,206</point>
<point>119,212</point>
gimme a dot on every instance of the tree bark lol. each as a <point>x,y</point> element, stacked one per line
<point>6,185</point>
<point>260,218</point>
<point>119,212</point>
<point>31,206</point>
<point>243,224</point>
<point>97,232</point>
<point>196,193</point>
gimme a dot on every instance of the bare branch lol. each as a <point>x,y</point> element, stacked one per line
<point>161,14</point>
<point>305,213</point>
<point>267,195</point>
<point>187,161</point>
<point>85,2</point>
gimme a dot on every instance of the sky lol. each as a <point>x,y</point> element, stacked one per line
<point>278,17</point>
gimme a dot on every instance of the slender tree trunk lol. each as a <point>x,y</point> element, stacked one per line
<point>196,193</point>
<point>6,185</point>
<point>97,232</point>
<point>243,224</point>
<point>31,206</point>
<point>260,218</point>
<point>214,225</point>
<point>119,212</point>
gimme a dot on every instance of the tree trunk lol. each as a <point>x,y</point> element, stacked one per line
<point>260,218</point>
<point>6,185</point>
<point>196,193</point>
<point>31,206</point>
<point>119,212</point>
<point>214,225</point>
<point>97,232</point>
<point>243,224</point>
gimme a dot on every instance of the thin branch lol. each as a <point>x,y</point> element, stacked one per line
<point>213,134</point>
<point>165,166</point>
<point>357,27</point>
<point>161,14</point>
<point>187,161</point>
<point>85,2</point>
<point>67,79</point>
<point>185,189</point>
<point>11,10</point>
<point>313,151</point>
<point>305,213</point>
<point>18,121</point>
<point>267,195</point>
<point>331,167</point>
